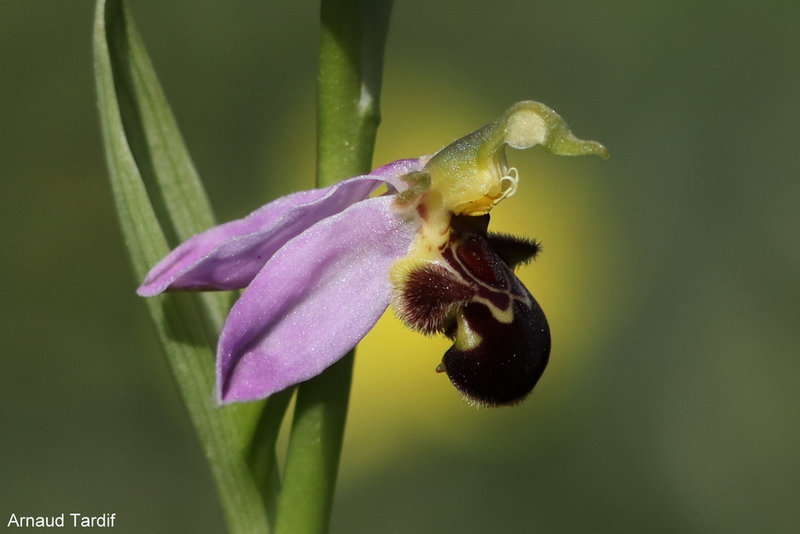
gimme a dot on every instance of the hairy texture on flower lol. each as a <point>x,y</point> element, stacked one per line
<point>468,292</point>
<point>429,295</point>
<point>319,268</point>
<point>514,250</point>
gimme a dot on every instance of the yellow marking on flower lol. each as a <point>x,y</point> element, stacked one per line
<point>500,315</point>
<point>466,337</point>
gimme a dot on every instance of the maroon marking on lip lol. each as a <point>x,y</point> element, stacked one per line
<point>430,296</point>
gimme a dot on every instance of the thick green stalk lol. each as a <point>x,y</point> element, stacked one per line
<point>352,39</point>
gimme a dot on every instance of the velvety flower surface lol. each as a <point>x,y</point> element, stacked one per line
<point>320,267</point>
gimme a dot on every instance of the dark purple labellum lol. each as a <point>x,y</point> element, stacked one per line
<point>502,340</point>
<point>513,338</point>
<point>508,361</point>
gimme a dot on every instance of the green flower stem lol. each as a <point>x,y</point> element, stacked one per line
<point>352,39</point>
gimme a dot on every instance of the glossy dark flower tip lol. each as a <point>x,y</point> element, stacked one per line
<point>502,339</point>
<point>507,362</point>
<point>470,293</point>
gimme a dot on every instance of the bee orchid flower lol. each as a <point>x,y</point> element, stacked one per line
<point>319,267</point>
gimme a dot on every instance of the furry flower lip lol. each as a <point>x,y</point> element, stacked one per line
<point>319,267</point>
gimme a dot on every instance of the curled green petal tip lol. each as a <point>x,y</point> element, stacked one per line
<point>527,124</point>
<point>471,174</point>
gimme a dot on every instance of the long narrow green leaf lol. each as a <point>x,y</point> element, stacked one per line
<point>166,154</point>
<point>140,137</point>
<point>157,145</point>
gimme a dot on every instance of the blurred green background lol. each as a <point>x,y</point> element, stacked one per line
<point>670,273</point>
